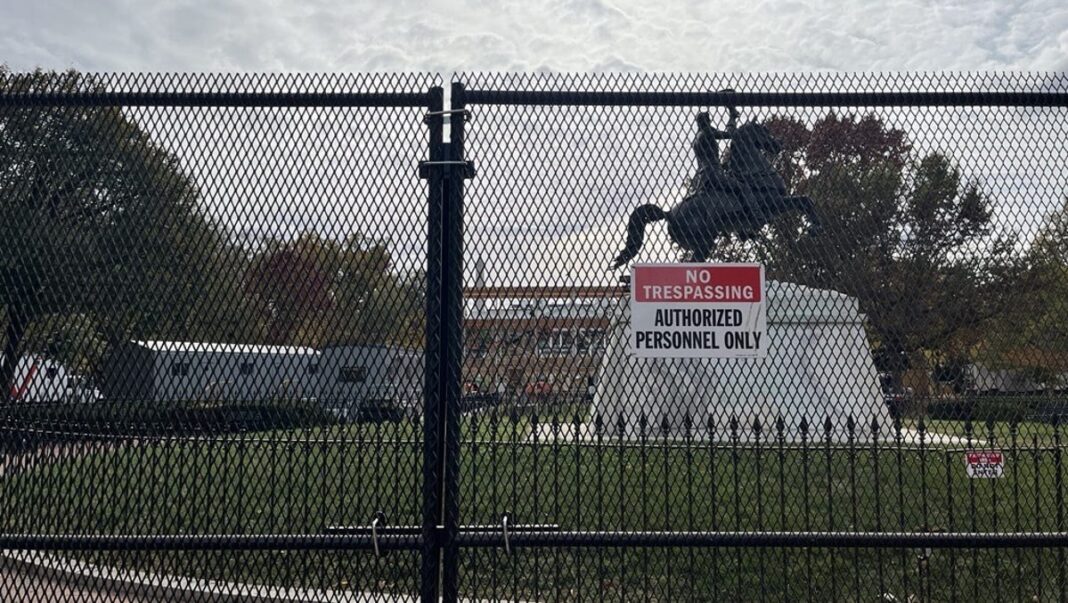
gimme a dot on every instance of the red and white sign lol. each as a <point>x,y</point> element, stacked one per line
<point>698,311</point>
<point>984,464</point>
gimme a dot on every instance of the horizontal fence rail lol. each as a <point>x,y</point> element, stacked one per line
<point>890,540</point>
<point>208,542</point>
<point>480,537</point>
<point>213,99</point>
<point>767,99</point>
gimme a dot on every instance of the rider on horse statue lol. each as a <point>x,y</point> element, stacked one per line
<point>740,198</point>
<point>710,173</point>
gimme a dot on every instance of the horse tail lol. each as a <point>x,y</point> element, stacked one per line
<point>639,218</point>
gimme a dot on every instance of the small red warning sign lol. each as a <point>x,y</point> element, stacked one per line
<point>984,464</point>
<point>698,283</point>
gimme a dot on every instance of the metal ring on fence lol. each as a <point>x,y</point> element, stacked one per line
<point>465,112</point>
<point>374,534</point>
<point>504,524</point>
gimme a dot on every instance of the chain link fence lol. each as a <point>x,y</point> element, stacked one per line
<point>366,338</point>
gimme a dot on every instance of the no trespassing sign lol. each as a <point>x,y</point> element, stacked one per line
<point>698,311</point>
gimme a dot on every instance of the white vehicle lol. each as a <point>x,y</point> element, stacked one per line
<point>42,380</point>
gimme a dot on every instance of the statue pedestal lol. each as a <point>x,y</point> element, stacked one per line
<point>819,365</point>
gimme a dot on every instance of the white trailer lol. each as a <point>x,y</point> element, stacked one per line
<point>211,372</point>
<point>375,381</point>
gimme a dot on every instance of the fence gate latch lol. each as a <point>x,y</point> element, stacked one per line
<point>504,525</point>
<point>376,523</point>
<point>466,167</point>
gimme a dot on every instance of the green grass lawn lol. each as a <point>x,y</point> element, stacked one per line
<point>303,482</point>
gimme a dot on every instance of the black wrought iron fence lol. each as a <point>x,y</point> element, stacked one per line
<point>347,338</point>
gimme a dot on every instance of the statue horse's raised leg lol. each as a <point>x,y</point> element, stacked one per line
<point>772,206</point>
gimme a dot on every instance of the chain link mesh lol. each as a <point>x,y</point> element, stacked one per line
<point>215,336</point>
<point>920,320</point>
<point>214,325</point>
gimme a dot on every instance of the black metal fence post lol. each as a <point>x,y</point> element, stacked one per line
<point>452,312</point>
<point>445,172</point>
<point>431,550</point>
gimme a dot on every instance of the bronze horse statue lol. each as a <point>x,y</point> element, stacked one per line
<point>709,212</point>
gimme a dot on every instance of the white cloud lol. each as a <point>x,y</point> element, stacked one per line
<point>563,35</point>
<point>555,185</point>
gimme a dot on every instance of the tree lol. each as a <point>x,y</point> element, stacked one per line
<point>72,339</point>
<point>908,236</point>
<point>315,291</point>
<point>293,282</point>
<point>1034,334</point>
<point>375,303</point>
<point>219,308</point>
<point>96,219</point>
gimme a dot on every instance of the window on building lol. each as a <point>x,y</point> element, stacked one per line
<point>591,341</point>
<point>352,374</point>
<point>179,369</point>
<point>246,368</point>
<point>565,341</point>
<point>545,342</point>
<point>557,342</point>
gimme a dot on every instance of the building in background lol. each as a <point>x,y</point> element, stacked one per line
<point>523,342</point>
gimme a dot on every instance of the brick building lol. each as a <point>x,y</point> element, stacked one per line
<point>536,340</point>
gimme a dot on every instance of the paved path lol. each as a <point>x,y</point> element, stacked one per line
<point>31,577</point>
<point>23,585</point>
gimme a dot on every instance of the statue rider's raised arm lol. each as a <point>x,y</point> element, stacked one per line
<point>706,149</point>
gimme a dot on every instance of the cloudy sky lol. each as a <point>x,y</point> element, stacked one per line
<point>561,35</point>
<point>277,182</point>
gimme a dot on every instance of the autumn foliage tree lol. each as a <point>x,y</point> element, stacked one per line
<point>376,303</point>
<point>317,291</point>
<point>905,233</point>
<point>292,283</point>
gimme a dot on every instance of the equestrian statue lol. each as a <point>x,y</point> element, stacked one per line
<point>741,197</point>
